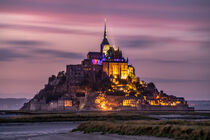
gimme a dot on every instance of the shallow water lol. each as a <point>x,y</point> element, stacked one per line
<point>18,130</point>
<point>200,105</point>
<point>57,131</point>
<point>180,117</point>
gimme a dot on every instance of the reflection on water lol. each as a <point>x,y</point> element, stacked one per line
<point>179,117</point>
<point>200,105</point>
<point>9,115</point>
<point>16,130</point>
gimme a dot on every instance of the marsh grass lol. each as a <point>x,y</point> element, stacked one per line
<point>89,116</point>
<point>84,116</point>
<point>189,130</point>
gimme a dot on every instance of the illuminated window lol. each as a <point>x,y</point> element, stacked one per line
<point>96,62</point>
<point>129,102</point>
<point>68,103</point>
<point>105,49</point>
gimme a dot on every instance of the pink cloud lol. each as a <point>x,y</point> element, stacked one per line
<point>164,39</point>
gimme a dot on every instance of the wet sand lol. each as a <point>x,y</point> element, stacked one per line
<point>92,136</point>
<point>57,131</point>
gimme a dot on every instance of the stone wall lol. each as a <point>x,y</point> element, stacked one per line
<point>164,108</point>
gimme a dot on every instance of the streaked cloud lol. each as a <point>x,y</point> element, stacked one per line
<point>25,43</point>
<point>167,40</point>
<point>10,54</point>
<point>161,80</point>
<point>144,42</point>
<point>30,52</point>
<point>56,30</point>
<point>57,53</point>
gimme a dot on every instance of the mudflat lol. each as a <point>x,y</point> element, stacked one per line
<point>92,136</point>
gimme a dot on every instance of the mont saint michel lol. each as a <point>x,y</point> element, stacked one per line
<point>103,81</point>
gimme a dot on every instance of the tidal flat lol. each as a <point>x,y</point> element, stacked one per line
<point>20,116</point>
<point>149,125</point>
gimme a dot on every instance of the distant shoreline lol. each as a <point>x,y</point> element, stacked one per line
<point>18,116</point>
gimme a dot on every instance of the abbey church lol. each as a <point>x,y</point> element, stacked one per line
<point>109,60</point>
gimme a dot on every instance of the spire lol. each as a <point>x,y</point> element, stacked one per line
<point>105,40</point>
<point>105,36</point>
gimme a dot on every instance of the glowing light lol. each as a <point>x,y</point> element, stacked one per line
<point>131,72</point>
<point>68,103</point>
<point>105,49</point>
<point>102,103</point>
<point>129,102</point>
<point>96,62</point>
<point>117,60</point>
<point>124,76</point>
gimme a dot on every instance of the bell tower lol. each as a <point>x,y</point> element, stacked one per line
<point>105,43</point>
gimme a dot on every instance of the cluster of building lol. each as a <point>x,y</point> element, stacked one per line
<point>103,81</point>
<point>126,89</point>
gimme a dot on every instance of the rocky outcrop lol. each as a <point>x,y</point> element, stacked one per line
<point>59,95</point>
<point>59,90</point>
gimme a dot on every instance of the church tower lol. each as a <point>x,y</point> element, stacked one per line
<point>105,43</point>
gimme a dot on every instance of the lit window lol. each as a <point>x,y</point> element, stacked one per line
<point>68,103</point>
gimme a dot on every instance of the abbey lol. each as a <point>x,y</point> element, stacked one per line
<point>103,81</point>
<point>109,60</point>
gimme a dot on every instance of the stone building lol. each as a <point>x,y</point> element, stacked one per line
<point>108,60</point>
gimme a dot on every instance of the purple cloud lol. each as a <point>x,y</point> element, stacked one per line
<point>46,29</point>
<point>10,54</point>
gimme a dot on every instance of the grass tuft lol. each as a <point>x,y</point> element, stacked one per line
<point>188,130</point>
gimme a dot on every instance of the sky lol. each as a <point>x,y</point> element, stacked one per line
<point>168,42</point>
